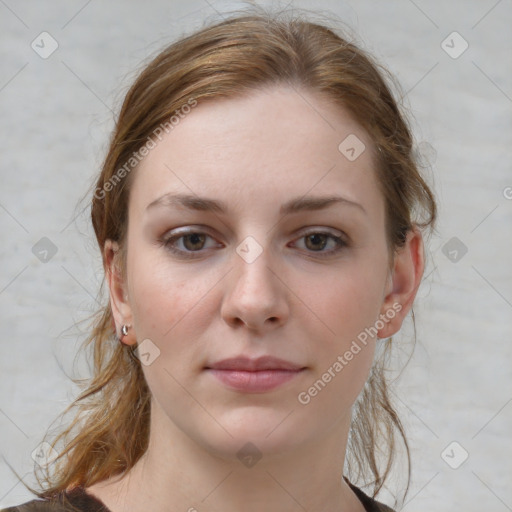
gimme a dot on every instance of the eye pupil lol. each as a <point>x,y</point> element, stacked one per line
<point>315,238</point>
<point>194,237</point>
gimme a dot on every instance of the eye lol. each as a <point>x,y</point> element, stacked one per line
<point>316,241</point>
<point>185,243</point>
<point>192,242</point>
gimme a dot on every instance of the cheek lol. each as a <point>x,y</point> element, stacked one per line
<point>350,300</point>
<point>348,303</point>
<point>161,302</point>
<point>169,302</point>
<point>159,298</point>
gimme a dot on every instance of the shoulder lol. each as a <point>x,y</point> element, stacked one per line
<point>38,506</point>
<point>76,500</point>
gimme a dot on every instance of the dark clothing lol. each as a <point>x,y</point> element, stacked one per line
<point>78,500</point>
<point>369,504</point>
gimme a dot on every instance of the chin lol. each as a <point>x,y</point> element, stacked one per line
<point>258,432</point>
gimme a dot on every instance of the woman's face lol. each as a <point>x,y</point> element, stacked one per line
<point>263,274</point>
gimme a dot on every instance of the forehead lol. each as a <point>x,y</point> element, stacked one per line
<point>264,147</point>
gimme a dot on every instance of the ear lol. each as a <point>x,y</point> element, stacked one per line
<point>119,303</point>
<point>403,283</point>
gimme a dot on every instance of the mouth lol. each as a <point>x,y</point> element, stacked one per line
<point>247,364</point>
<point>254,375</point>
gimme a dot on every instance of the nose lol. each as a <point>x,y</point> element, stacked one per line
<point>256,296</point>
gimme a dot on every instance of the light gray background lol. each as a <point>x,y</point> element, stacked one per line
<point>56,115</point>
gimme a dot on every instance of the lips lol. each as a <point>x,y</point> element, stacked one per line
<point>247,364</point>
<point>261,375</point>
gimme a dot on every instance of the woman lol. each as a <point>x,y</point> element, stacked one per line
<point>260,217</point>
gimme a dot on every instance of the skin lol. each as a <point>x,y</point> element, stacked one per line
<point>254,153</point>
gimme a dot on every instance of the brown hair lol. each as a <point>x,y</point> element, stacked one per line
<point>228,58</point>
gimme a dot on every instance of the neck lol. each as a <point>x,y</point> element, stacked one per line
<point>176,473</point>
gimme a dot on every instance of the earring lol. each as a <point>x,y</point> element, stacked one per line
<point>124,332</point>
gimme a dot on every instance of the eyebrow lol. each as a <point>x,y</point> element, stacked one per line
<point>193,202</point>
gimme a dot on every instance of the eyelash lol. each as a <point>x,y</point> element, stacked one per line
<point>169,241</point>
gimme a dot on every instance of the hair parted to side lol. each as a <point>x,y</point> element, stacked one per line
<point>255,49</point>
